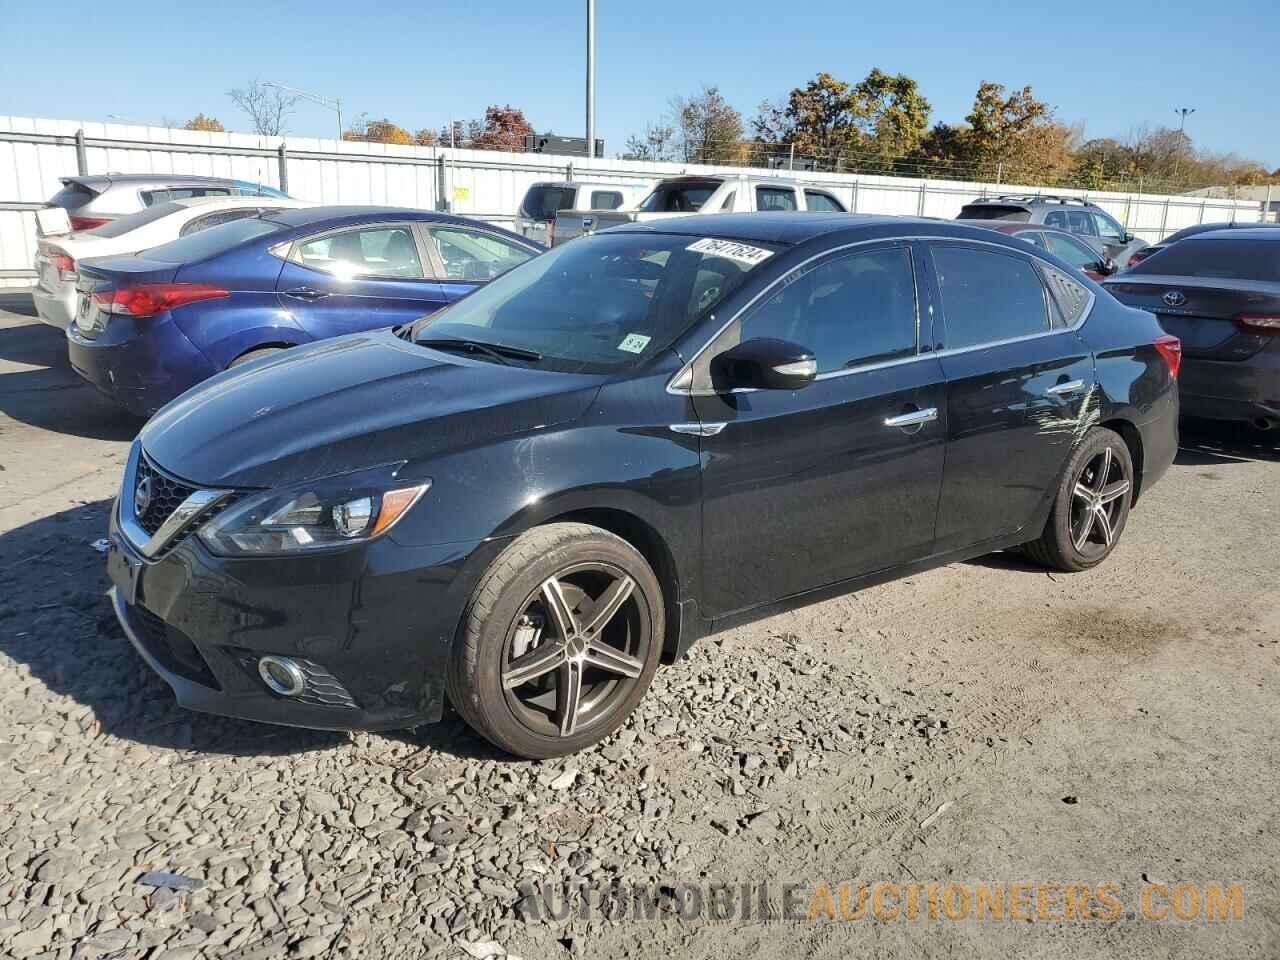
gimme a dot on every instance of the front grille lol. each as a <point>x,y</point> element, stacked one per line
<point>171,647</point>
<point>167,495</point>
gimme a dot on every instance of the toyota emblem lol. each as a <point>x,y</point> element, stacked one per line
<point>142,497</point>
<point>1175,298</point>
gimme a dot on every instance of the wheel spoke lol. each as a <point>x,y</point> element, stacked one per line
<point>1114,491</point>
<point>1083,492</point>
<point>538,661</point>
<point>1103,523</point>
<point>609,658</point>
<point>568,697</point>
<point>1104,471</point>
<point>1086,527</point>
<point>558,607</point>
<point>609,603</point>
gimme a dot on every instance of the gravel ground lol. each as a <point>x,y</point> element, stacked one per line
<point>985,722</point>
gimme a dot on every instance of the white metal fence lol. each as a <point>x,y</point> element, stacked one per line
<point>483,184</point>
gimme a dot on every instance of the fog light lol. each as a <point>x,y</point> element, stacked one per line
<point>282,676</point>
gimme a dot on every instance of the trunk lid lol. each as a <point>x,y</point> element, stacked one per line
<point>1202,311</point>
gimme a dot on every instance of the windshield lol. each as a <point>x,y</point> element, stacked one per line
<point>215,240</point>
<point>1228,259</point>
<point>135,220</point>
<point>679,198</point>
<point>600,303</point>
<point>543,201</point>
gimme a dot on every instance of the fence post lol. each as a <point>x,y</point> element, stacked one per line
<point>1203,204</point>
<point>442,186</point>
<point>1266,206</point>
<point>791,164</point>
<point>82,159</point>
<point>1164,219</point>
<point>568,171</point>
<point>924,187</point>
<point>999,173</point>
<point>283,161</point>
<point>855,197</point>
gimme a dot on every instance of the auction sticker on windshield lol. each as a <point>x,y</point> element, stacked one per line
<point>634,343</point>
<point>731,250</point>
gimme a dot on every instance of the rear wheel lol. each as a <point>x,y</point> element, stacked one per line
<point>560,641</point>
<point>255,355</point>
<point>1091,505</point>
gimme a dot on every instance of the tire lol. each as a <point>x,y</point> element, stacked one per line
<point>1075,536</point>
<point>514,618</point>
<point>254,355</point>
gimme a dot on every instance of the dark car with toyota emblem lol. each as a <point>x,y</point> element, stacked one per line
<point>1219,293</point>
<point>527,501</point>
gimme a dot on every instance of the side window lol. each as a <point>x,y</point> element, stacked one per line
<point>1107,228</point>
<point>213,219</point>
<point>1071,296</point>
<point>1056,218</point>
<point>472,255</point>
<point>824,202</point>
<point>849,310</point>
<point>1033,237</point>
<point>1079,221</point>
<point>605,200</point>
<point>1077,254</point>
<point>371,252</point>
<point>775,198</point>
<point>988,296</point>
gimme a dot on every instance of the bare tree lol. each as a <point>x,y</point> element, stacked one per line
<point>267,106</point>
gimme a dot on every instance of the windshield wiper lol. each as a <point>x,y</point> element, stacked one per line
<point>495,351</point>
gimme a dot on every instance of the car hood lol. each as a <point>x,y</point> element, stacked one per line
<point>350,403</point>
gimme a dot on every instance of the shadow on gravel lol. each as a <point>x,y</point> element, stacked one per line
<point>1007,560</point>
<point>56,622</point>
<point>1212,443</point>
<point>45,392</point>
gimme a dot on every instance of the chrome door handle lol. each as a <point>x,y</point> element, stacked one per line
<point>914,418</point>
<point>1070,386</point>
<point>305,293</point>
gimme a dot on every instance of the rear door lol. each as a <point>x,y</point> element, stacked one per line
<point>358,278</point>
<point>808,487</point>
<point>464,258</point>
<point>1019,380</point>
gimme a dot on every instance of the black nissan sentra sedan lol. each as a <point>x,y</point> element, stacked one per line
<point>526,501</point>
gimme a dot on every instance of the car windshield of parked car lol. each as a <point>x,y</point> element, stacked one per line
<point>600,303</point>
<point>1227,259</point>
<point>678,198</point>
<point>133,221</point>
<point>215,240</point>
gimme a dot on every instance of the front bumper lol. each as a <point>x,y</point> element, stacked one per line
<point>379,621</point>
<point>139,364</point>
<point>1232,390</point>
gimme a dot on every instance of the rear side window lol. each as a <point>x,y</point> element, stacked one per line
<point>543,201</point>
<point>133,221</point>
<point>1057,218</point>
<point>775,198</point>
<point>605,200</point>
<point>152,197</point>
<point>849,310</point>
<point>987,296</point>
<point>213,219</point>
<point>1081,221</point>
<point>211,242</point>
<point>1228,259</point>
<point>72,196</point>
<point>994,211</point>
<point>822,202</point>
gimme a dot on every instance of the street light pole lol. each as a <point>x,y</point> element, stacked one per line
<point>591,78</point>
<point>333,103</point>
<point>1183,113</point>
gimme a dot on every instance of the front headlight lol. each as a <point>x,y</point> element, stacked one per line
<point>325,514</point>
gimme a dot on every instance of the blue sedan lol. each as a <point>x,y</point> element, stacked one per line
<point>148,327</point>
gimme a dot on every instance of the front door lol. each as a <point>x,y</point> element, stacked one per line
<point>808,487</point>
<point>1019,388</point>
<point>361,278</point>
<point>464,258</point>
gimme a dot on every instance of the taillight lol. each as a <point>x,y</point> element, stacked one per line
<point>1258,323</point>
<point>148,299</point>
<point>88,223</point>
<point>1136,258</point>
<point>63,262</point>
<point>1170,349</point>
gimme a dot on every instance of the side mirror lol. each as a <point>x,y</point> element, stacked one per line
<point>1107,266</point>
<point>764,363</point>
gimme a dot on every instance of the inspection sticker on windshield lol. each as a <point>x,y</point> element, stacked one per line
<point>741,252</point>
<point>634,343</point>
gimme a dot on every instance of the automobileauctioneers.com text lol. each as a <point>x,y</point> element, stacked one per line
<point>886,901</point>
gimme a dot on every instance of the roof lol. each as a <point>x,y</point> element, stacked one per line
<point>795,228</point>
<point>110,178</point>
<point>1029,200</point>
<point>239,201</point>
<point>334,216</point>
<point>1248,233</point>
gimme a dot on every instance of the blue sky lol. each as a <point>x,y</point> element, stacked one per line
<point>1115,66</point>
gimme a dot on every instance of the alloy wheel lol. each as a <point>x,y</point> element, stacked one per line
<point>576,649</point>
<point>1097,500</point>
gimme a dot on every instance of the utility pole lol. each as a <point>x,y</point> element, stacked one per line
<point>591,78</point>
<point>1183,113</point>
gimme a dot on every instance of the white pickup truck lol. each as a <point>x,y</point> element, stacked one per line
<point>683,196</point>
<point>545,198</point>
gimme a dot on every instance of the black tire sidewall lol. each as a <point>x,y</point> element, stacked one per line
<point>1060,521</point>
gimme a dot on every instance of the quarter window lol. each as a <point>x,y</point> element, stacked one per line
<point>472,255</point>
<point>775,198</point>
<point>373,252</point>
<point>849,310</point>
<point>605,200</point>
<point>988,296</point>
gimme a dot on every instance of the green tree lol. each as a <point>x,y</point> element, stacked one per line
<point>892,116</point>
<point>709,129</point>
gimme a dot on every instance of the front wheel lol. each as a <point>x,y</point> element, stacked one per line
<point>560,641</point>
<point>1090,507</point>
